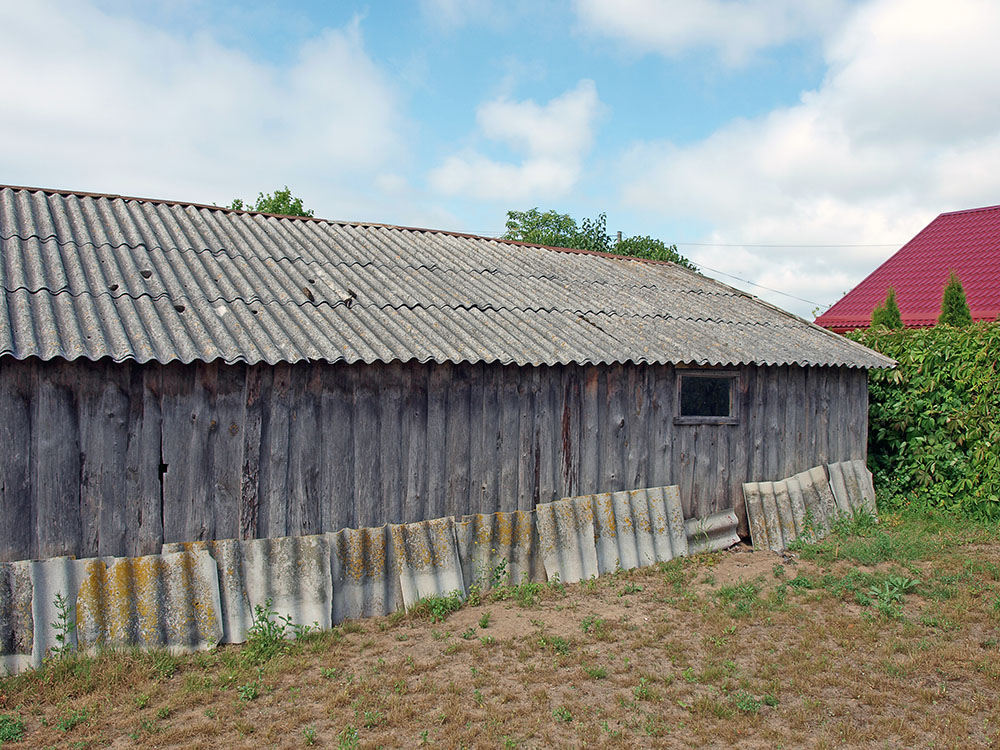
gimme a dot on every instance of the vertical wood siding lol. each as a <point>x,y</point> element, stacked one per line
<point>115,459</point>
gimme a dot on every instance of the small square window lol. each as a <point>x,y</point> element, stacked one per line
<point>706,397</point>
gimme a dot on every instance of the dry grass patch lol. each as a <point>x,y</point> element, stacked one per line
<point>882,635</point>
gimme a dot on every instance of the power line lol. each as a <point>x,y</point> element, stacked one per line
<point>743,244</point>
<point>754,283</point>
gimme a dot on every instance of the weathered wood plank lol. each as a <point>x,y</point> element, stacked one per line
<point>17,511</point>
<point>369,509</point>
<point>103,415</point>
<point>249,504</point>
<point>457,438</point>
<point>340,501</point>
<point>590,431</point>
<point>226,443</point>
<point>392,386</point>
<point>438,384</point>
<point>55,453</point>
<point>509,448</point>
<point>547,435</point>
<point>570,408</point>
<point>305,455</point>
<point>492,429</point>
<point>661,425</point>
<point>415,419</point>
<point>276,425</point>
<point>188,512</point>
<point>526,393</point>
<point>612,439</point>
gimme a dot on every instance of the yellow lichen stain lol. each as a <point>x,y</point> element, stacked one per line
<point>362,553</point>
<point>121,605</point>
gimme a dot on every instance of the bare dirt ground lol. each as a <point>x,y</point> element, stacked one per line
<point>884,639</point>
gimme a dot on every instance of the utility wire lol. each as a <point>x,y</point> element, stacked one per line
<point>743,244</point>
<point>753,283</point>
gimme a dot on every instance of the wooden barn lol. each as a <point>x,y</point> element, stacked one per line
<point>175,372</point>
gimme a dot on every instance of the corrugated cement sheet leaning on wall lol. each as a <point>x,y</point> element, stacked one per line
<point>198,594</point>
<point>157,601</point>
<point>807,504</point>
<point>592,535</point>
<point>292,573</point>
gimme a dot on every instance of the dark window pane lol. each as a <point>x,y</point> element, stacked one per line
<point>705,397</point>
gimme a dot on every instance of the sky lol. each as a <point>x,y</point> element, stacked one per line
<point>786,147</point>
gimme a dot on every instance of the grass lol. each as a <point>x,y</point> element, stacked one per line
<point>880,635</point>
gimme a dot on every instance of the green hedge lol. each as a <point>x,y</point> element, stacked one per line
<point>934,422</point>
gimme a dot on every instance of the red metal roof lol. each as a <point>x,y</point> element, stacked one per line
<point>966,242</point>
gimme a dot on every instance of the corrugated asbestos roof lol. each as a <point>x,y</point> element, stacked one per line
<point>97,276</point>
<point>966,242</point>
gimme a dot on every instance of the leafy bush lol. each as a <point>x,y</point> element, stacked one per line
<point>934,422</point>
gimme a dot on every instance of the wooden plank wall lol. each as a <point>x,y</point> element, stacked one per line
<point>114,459</point>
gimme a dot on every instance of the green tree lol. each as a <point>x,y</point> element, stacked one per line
<point>549,228</point>
<point>954,306</point>
<point>562,230</point>
<point>654,249</point>
<point>281,202</point>
<point>887,314</point>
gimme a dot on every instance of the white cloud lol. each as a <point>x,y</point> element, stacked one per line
<point>554,139</point>
<point>736,28</point>
<point>103,102</point>
<point>904,126</point>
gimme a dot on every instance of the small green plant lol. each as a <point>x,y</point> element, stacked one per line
<point>556,643</point>
<point>163,713</point>
<point>630,588</point>
<point>309,734</point>
<point>437,608</point>
<point>597,672</point>
<point>746,702</point>
<point>141,701</point>
<point>469,634</point>
<point>348,739</point>
<point>887,595</point>
<point>769,700</point>
<point>499,575</point>
<point>11,728</point>
<point>562,714</point>
<point>593,624</point>
<point>484,620</point>
<point>487,640</point>
<point>64,627</point>
<point>72,719</point>
<point>371,719</point>
<point>249,691</point>
<point>329,673</point>
<point>266,637</point>
<point>641,691</point>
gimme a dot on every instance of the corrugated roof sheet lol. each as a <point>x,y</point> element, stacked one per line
<point>107,276</point>
<point>966,242</point>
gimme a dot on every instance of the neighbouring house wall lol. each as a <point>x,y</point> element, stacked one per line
<point>99,458</point>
